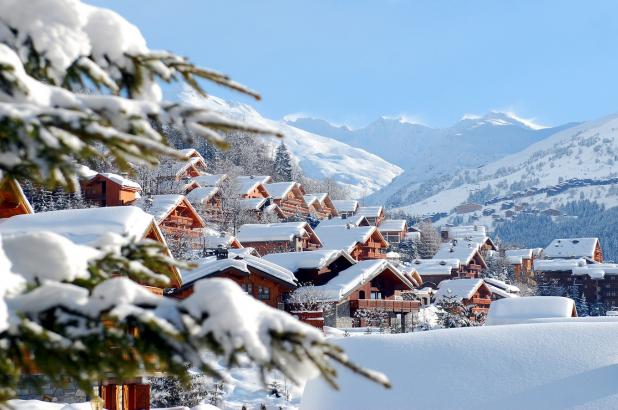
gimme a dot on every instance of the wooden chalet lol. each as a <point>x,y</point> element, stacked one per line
<point>249,186</point>
<point>500,289</point>
<point>193,165</point>
<point>12,199</point>
<point>366,285</point>
<point>346,207</point>
<point>471,262</point>
<point>208,201</point>
<point>468,292</point>
<point>522,262</point>
<point>314,267</point>
<point>374,214</point>
<point>315,207</point>
<point>327,204</point>
<point>175,215</point>
<point>107,189</point>
<point>279,237</point>
<point>212,239</point>
<point>214,180</point>
<point>394,230</point>
<point>265,281</point>
<point>574,248</point>
<point>290,197</point>
<point>364,242</point>
<point>434,271</point>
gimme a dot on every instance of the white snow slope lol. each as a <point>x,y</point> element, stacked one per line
<point>319,157</point>
<point>587,152</point>
<point>531,366</point>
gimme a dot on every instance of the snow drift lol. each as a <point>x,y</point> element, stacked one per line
<point>546,365</point>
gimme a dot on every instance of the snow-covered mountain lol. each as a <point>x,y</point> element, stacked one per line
<point>430,154</point>
<point>318,156</point>
<point>580,162</point>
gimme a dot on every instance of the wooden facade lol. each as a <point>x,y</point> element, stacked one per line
<point>103,191</point>
<point>290,200</point>
<point>12,199</point>
<point>261,285</point>
<point>296,244</point>
<point>373,248</point>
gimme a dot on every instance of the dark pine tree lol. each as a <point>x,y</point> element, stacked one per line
<point>284,169</point>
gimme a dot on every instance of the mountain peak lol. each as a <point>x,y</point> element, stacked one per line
<point>500,118</point>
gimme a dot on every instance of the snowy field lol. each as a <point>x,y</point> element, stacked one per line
<point>532,366</point>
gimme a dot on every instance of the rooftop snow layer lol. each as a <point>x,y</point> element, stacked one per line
<point>524,309</point>
<point>159,205</point>
<point>211,265</point>
<point>345,205</point>
<point>458,288</point>
<point>393,225</point>
<point>283,231</point>
<point>463,251</point>
<point>83,226</point>
<point>209,179</point>
<point>370,211</point>
<point>571,248</point>
<point>549,265</point>
<point>317,259</point>
<point>201,194</point>
<point>278,190</point>
<point>354,220</point>
<point>337,237</point>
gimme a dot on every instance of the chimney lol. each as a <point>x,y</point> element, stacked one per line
<point>221,253</point>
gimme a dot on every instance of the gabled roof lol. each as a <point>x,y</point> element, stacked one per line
<point>210,179</point>
<point>245,184</point>
<point>161,206</point>
<point>370,211</point>
<point>463,231</point>
<point>282,231</point>
<point>317,259</point>
<point>87,174</point>
<point>326,202</point>
<point>191,153</point>
<point>278,190</point>
<point>176,168</point>
<point>571,248</point>
<point>254,204</point>
<point>596,270</point>
<point>516,256</point>
<point>393,225</point>
<point>310,199</point>
<point>464,251</point>
<point>349,279</point>
<point>202,194</point>
<point>12,199</point>
<point>435,266</point>
<point>345,205</point>
<point>458,288</point>
<point>354,220</point>
<point>337,237</point>
<point>245,263</point>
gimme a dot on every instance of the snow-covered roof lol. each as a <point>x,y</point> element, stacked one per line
<point>282,231</point>
<point>523,309</point>
<point>89,174</point>
<point>160,206</point>
<point>596,270</point>
<point>209,179</point>
<point>549,265</point>
<point>317,259</point>
<point>278,190</point>
<point>321,196</point>
<point>252,203</point>
<point>458,288</point>
<point>393,225</point>
<point>83,226</point>
<point>370,211</point>
<point>571,248</point>
<point>501,292</point>
<point>201,194</point>
<point>338,237</point>
<point>354,220</point>
<point>191,152</point>
<point>463,231</point>
<point>211,266</point>
<point>175,168</point>
<point>347,280</point>
<point>502,285</point>
<point>345,205</point>
<point>247,183</point>
<point>464,251</point>
<point>435,266</point>
<point>310,199</point>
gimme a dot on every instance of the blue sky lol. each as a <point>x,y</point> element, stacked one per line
<point>352,61</point>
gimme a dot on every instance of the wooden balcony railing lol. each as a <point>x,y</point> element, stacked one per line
<point>481,301</point>
<point>399,306</point>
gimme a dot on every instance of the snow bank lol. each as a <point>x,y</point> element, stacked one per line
<point>525,309</point>
<point>548,366</point>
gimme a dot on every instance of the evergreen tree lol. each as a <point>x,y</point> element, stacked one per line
<point>497,268</point>
<point>576,293</point>
<point>429,242</point>
<point>453,313</point>
<point>284,168</point>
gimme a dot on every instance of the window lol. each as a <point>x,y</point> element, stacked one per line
<point>361,294</point>
<point>263,293</point>
<point>376,295</point>
<point>247,287</point>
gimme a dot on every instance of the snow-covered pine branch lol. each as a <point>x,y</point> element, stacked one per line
<point>52,48</point>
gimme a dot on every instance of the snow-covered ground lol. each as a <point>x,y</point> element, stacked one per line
<point>318,156</point>
<point>528,366</point>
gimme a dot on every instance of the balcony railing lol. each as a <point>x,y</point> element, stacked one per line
<point>481,301</point>
<point>399,306</point>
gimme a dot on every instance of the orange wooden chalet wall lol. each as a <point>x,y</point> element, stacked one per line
<point>12,199</point>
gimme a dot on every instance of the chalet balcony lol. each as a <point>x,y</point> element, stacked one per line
<point>180,232</point>
<point>179,222</point>
<point>481,301</point>
<point>388,305</point>
<point>475,267</point>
